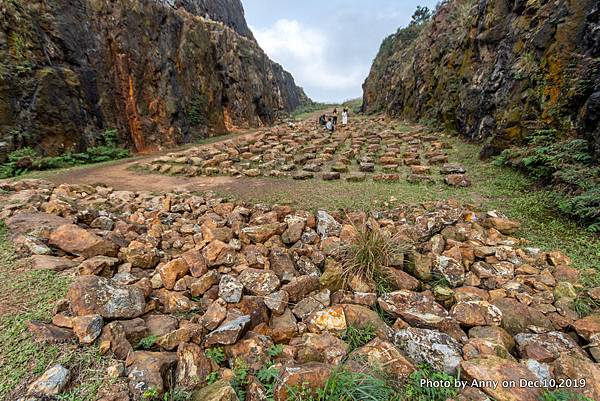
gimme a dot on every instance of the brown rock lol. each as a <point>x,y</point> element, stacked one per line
<point>476,313</point>
<point>48,332</point>
<point>47,262</point>
<point>114,338</point>
<point>259,234</point>
<point>381,354</point>
<point>300,287</point>
<point>149,370</point>
<point>283,327</point>
<point>192,366</point>
<point>172,271</point>
<point>282,264</point>
<point>90,295</point>
<point>99,266</point>
<point>87,328</point>
<point>580,370</point>
<point>518,318</point>
<point>332,319</point>
<point>228,332</point>
<point>499,370</point>
<point>320,348</point>
<point>159,325</point>
<point>204,283</point>
<point>196,262</point>
<point>73,239</point>
<point>311,375</point>
<point>218,253</point>
<point>259,282</point>
<point>588,326</point>
<point>142,255</point>
<point>215,314</point>
<point>546,347</point>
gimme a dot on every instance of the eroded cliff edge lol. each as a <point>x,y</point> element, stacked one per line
<point>496,71</point>
<point>162,72</point>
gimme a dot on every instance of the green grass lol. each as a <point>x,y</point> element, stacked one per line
<point>307,110</point>
<point>413,391</point>
<point>563,395</point>
<point>494,188</point>
<point>357,337</point>
<point>147,342</point>
<point>30,295</point>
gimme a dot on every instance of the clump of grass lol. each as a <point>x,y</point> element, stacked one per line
<point>275,350</point>
<point>347,386</point>
<point>239,382</point>
<point>357,337</point>
<point>413,391</point>
<point>369,253</point>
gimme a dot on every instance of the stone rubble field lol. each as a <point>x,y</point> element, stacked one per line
<point>367,148</point>
<point>197,274</point>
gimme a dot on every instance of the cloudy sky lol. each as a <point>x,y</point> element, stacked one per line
<point>327,45</point>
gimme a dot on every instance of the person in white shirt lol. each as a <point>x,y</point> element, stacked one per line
<point>329,126</point>
<point>345,117</point>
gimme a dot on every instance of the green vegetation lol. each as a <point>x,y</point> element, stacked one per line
<point>198,111</point>
<point>213,377</point>
<point>344,385</point>
<point>370,251</point>
<point>30,295</point>
<point>239,382</point>
<point>275,350</point>
<point>413,391</point>
<point>305,110</point>
<point>215,354</point>
<point>563,395</point>
<point>356,337</point>
<point>566,165</point>
<point>26,159</point>
<point>147,342</point>
<point>495,187</point>
<point>268,376</point>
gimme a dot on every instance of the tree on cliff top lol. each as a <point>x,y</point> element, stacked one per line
<point>421,14</point>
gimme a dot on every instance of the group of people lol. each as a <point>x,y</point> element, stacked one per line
<point>330,123</point>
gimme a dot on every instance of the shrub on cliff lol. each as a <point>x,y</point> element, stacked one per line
<point>567,165</point>
<point>26,159</point>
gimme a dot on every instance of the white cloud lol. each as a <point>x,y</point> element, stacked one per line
<point>309,54</point>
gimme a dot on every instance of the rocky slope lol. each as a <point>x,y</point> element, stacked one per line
<point>201,276</point>
<point>159,71</point>
<point>496,70</point>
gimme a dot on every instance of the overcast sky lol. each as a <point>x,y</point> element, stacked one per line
<point>327,45</point>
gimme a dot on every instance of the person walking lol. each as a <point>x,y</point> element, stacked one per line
<point>335,116</point>
<point>345,117</point>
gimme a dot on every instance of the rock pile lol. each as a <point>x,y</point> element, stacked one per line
<point>164,282</point>
<point>368,147</point>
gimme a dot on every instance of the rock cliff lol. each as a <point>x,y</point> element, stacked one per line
<point>162,72</point>
<point>496,71</point>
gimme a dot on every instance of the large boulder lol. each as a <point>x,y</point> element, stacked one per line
<point>91,295</point>
<point>75,240</point>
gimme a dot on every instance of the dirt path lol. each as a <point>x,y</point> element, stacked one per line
<point>118,175</point>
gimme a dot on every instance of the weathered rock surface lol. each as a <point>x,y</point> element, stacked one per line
<point>93,64</point>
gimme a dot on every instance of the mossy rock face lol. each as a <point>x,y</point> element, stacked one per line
<point>520,63</point>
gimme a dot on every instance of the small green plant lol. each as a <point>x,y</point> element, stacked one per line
<point>150,394</point>
<point>275,350</point>
<point>147,342</point>
<point>267,377</point>
<point>563,395</point>
<point>413,391</point>
<point>385,316</point>
<point>369,253</point>
<point>213,377</point>
<point>177,395</point>
<point>239,382</point>
<point>356,337</point>
<point>216,354</point>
